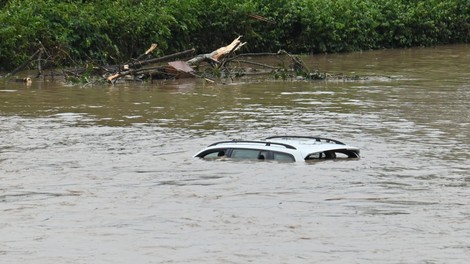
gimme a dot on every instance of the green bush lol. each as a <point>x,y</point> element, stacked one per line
<point>112,31</point>
<point>103,31</point>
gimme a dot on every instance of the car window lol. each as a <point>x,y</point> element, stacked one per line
<point>322,155</point>
<point>213,154</point>
<point>279,156</point>
<point>263,155</point>
<point>248,154</point>
<point>332,154</point>
<point>313,156</point>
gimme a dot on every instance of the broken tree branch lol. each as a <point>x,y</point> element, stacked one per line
<point>28,61</point>
<point>168,57</point>
<point>258,64</point>
<point>218,53</point>
<point>147,52</point>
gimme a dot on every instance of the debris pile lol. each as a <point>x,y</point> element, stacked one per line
<point>221,64</point>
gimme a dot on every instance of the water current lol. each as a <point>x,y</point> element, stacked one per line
<point>105,174</point>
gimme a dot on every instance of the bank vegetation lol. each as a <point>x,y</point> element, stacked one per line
<point>106,32</point>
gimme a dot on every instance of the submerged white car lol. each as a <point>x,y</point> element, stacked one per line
<point>281,148</point>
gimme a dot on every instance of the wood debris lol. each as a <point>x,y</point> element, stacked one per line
<point>221,63</point>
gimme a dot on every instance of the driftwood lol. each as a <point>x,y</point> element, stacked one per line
<point>171,70</point>
<point>176,68</point>
<point>126,67</point>
<point>222,63</point>
<point>168,57</point>
<point>134,67</point>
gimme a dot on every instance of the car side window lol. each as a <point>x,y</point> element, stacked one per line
<point>247,154</point>
<point>279,156</point>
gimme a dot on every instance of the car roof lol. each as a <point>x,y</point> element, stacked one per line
<point>308,144</point>
<point>299,146</point>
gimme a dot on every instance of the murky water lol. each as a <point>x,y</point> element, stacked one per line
<point>105,174</point>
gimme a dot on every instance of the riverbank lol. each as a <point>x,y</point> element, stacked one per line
<point>109,32</point>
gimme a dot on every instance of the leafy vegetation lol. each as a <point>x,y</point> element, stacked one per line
<point>111,31</point>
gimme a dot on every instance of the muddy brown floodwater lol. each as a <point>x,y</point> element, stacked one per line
<point>105,174</point>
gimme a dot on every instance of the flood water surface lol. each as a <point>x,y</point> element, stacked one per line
<point>105,174</point>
